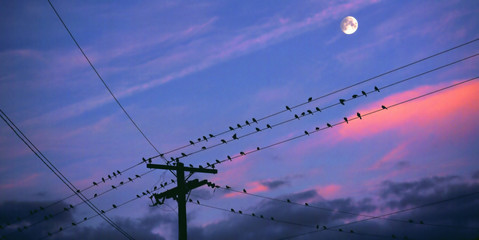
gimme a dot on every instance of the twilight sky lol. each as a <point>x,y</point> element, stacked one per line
<point>184,70</point>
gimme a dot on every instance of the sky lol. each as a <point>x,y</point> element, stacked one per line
<point>186,69</point>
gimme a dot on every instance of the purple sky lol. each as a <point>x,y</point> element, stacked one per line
<point>187,69</point>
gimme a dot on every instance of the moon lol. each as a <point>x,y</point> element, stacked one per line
<point>349,25</point>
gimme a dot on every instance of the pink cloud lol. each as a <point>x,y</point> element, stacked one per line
<point>28,181</point>
<point>251,187</point>
<point>328,191</point>
<point>396,153</point>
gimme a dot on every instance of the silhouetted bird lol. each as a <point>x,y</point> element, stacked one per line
<point>96,195</point>
<point>231,128</point>
<point>296,116</point>
<point>287,108</point>
<point>355,96</point>
<point>200,166</point>
<point>183,154</point>
<point>268,126</point>
<point>239,126</point>
<point>218,161</point>
<point>421,222</point>
<point>247,123</point>
<point>244,190</point>
<point>102,211</point>
<point>203,147</point>
<point>205,138</point>
<point>257,129</point>
<point>85,218</point>
<point>317,226</point>
<point>364,93</point>
<point>229,157</point>
<point>223,141</point>
<point>114,206</point>
<point>138,196</point>
<point>74,224</point>
<point>340,230</point>
<point>192,143</point>
<point>65,209</point>
<point>94,183</point>
<point>376,89</point>
<point>342,101</point>
<point>144,194</point>
<point>213,166</point>
<point>252,214</point>
<point>60,229</point>
<point>211,135</point>
<point>208,164</point>
<point>103,179</point>
<point>232,210</point>
<point>303,114</point>
<point>121,183</point>
<point>257,148</point>
<point>306,204</point>
<point>78,190</point>
<point>359,115</point>
<point>129,179</point>
<point>242,153</point>
<point>144,160</point>
<point>310,99</point>
<point>310,112</point>
<point>173,181</point>
<point>235,137</point>
<point>383,107</point>
<point>329,125</point>
<point>306,132</point>
<point>254,120</point>
<point>137,176</point>
<point>317,128</point>
<point>112,186</point>
<point>318,109</point>
<point>287,200</point>
<point>197,201</point>
<point>149,160</point>
<point>261,216</point>
<point>119,173</point>
<point>228,187</point>
<point>109,177</point>
<point>198,139</point>
<point>71,206</point>
<point>346,119</point>
<point>240,212</point>
<point>272,218</point>
<point>324,227</point>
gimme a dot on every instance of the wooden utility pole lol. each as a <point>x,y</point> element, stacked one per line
<point>180,191</point>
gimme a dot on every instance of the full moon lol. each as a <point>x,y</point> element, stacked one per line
<point>349,25</point>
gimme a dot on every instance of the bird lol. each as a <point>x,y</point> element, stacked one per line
<point>94,183</point>
<point>287,108</point>
<point>346,119</point>
<point>244,190</point>
<point>198,139</point>
<point>118,171</point>
<point>112,186</point>
<point>240,212</point>
<point>231,128</point>
<point>359,115</point>
<point>96,195</point>
<point>102,211</point>
<point>198,201</point>
<point>138,196</point>
<point>317,226</point>
<point>310,99</point>
<point>257,129</point>
<point>129,179</point>
<point>318,109</point>
<point>109,177</point>
<point>103,179</point>
<point>228,187</point>
<point>296,116</point>
<point>252,214</point>
<point>342,101</point>
<point>205,138</point>
<point>149,160</point>
<point>383,107</point>
<point>303,114</point>
<point>257,148</point>
<point>287,200</point>
<point>261,216</point>
<point>364,93</point>
<point>235,137</point>
<point>329,125</point>
<point>183,154</point>
<point>247,123</point>
<point>121,183</point>
<point>71,206</point>
<point>242,153</point>
<point>254,120</point>
<point>223,141</point>
<point>213,166</point>
<point>324,227</point>
<point>355,96</point>
<point>340,230</point>
<point>306,132</point>
<point>306,204</point>
<point>192,143</point>
<point>60,229</point>
<point>137,176</point>
<point>218,161</point>
<point>238,125</point>
<point>208,164</point>
<point>65,209</point>
<point>85,218</point>
<point>268,126</point>
<point>317,128</point>
<point>376,89</point>
<point>351,231</point>
<point>232,210</point>
<point>272,218</point>
<point>200,166</point>
<point>144,194</point>
<point>114,206</point>
<point>211,135</point>
<point>310,112</point>
<point>229,158</point>
<point>203,147</point>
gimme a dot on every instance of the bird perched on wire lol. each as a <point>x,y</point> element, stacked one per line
<point>258,130</point>
<point>247,123</point>
<point>118,171</point>
<point>223,141</point>
<point>94,183</point>
<point>244,190</point>
<point>310,99</point>
<point>383,107</point>
<point>205,138</point>
<point>359,115</point>
<point>235,137</point>
<point>306,132</point>
<point>192,143</point>
<point>287,108</point>
<point>329,125</point>
<point>211,135</point>
<point>342,101</point>
<point>231,128</point>
<point>229,158</point>
<point>364,93</point>
<point>310,112</point>
<point>296,116</point>
<point>239,125</point>
<point>269,126</point>
<point>346,119</point>
<point>318,109</point>
<point>183,154</point>
<point>242,153</point>
<point>114,206</point>
<point>376,89</point>
<point>254,120</point>
<point>103,179</point>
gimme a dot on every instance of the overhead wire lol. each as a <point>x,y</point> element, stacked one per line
<point>317,98</point>
<point>57,172</point>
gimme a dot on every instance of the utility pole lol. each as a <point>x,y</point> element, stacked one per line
<point>179,192</point>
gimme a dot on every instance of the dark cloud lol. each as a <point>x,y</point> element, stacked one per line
<point>475,175</point>
<point>273,184</point>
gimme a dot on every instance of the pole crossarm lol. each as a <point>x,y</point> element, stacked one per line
<point>187,169</point>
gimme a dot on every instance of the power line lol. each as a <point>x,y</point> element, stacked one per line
<point>328,125</point>
<point>318,109</point>
<point>315,99</point>
<point>388,214</point>
<point>52,168</point>
<point>307,205</point>
<point>101,79</point>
